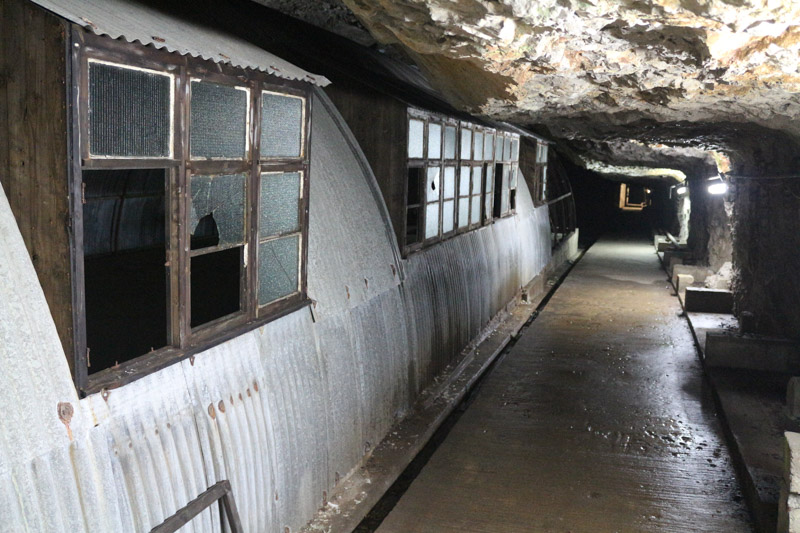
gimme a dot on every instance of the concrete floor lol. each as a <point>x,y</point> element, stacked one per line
<point>597,420</point>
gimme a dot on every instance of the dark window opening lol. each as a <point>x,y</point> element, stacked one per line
<point>512,196</point>
<point>215,285</point>
<point>205,233</point>
<point>498,189</point>
<point>416,179</point>
<point>124,221</point>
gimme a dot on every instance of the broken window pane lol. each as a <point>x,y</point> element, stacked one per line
<point>215,280</point>
<point>434,141</point>
<point>466,143</point>
<point>478,146</point>
<point>449,142</point>
<point>217,213</point>
<point>219,121</point>
<point>476,180</point>
<point>278,267</point>
<point>463,181</point>
<point>413,233</point>
<point>449,182</point>
<point>432,184</point>
<point>280,203</point>
<point>281,125</point>
<point>448,215</point>
<point>513,179</point>
<point>475,213</point>
<point>463,212</point>
<point>415,182</point>
<point>431,220</point>
<point>130,112</point>
<point>415,138</point>
<point>125,250</point>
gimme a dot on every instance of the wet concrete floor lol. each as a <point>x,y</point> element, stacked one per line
<point>598,419</point>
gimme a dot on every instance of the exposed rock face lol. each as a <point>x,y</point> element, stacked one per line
<point>331,15</point>
<point>593,71</point>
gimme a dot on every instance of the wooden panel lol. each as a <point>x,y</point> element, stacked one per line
<point>529,168</point>
<point>33,146</point>
<point>381,132</point>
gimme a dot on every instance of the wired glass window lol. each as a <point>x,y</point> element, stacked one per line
<point>456,173</point>
<point>176,254</point>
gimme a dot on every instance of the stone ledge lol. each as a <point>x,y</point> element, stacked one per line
<point>701,300</point>
<point>753,353</point>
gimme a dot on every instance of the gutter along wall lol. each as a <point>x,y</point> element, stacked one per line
<point>283,411</point>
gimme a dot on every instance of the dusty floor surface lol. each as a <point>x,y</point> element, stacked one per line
<point>597,420</point>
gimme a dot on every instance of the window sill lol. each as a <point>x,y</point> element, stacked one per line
<point>130,371</point>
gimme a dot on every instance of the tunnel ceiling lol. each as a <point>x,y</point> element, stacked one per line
<point>598,74</point>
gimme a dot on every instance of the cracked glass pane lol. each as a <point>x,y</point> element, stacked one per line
<point>278,267</point>
<point>281,125</point>
<point>448,215</point>
<point>449,182</point>
<point>431,220</point>
<point>449,142</point>
<point>130,112</point>
<point>219,121</point>
<point>217,214</point>
<point>434,141</point>
<point>280,204</point>
<point>416,138</point>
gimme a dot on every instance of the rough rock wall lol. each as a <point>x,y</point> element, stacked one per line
<point>767,231</point>
<point>607,61</point>
<point>710,238</point>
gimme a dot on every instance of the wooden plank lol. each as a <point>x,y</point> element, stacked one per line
<point>220,491</point>
<point>34,155</point>
<point>381,133</point>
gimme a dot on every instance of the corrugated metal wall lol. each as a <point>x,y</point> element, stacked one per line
<point>281,411</point>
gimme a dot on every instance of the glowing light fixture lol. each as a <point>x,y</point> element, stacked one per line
<point>717,186</point>
<point>681,190</point>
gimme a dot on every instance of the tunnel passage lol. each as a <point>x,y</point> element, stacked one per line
<point>598,419</point>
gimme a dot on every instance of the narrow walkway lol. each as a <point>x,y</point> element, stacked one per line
<point>597,420</point>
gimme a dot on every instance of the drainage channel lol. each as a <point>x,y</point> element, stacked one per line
<point>381,510</point>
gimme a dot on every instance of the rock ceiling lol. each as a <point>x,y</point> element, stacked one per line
<point>648,82</point>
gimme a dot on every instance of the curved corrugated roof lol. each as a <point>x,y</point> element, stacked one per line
<point>134,21</point>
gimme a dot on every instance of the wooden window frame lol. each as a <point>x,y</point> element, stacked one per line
<point>512,163</point>
<point>487,189</point>
<point>183,341</point>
